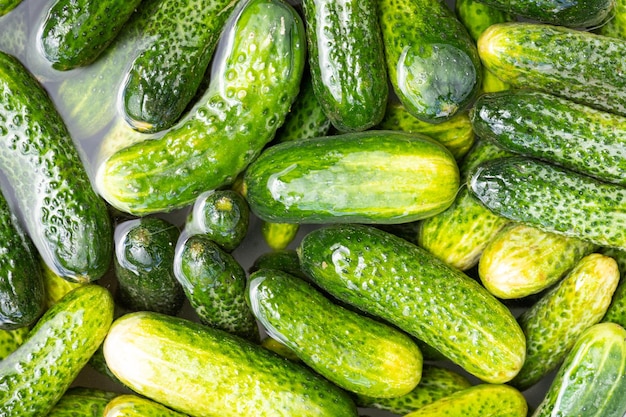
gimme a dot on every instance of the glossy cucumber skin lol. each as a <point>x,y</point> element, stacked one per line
<point>432,61</point>
<point>574,64</point>
<point>357,353</point>
<point>347,61</point>
<point>556,130</point>
<point>553,324</point>
<point>552,199</point>
<point>130,405</point>
<point>75,32</point>
<point>67,221</point>
<point>7,5</point>
<point>41,370</point>
<point>226,129</point>
<point>160,357</point>
<point>82,402</point>
<point>363,177</point>
<point>590,382</point>
<point>403,284</point>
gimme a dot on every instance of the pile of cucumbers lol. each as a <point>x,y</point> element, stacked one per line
<point>312,208</point>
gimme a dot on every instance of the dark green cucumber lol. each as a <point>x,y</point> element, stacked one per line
<point>552,199</point>
<point>10,340</point>
<point>388,277</point>
<point>285,260</point>
<point>574,64</point>
<point>75,32</point>
<point>591,380</point>
<point>67,221</point>
<point>221,215</point>
<point>356,353</point>
<point>432,61</point>
<point>556,130</point>
<point>144,266</point>
<point>227,128</point>
<point>215,285</point>
<point>553,324</point>
<point>347,61</point>
<point>7,5</point>
<point>148,351</point>
<point>129,405</point>
<point>40,371</point>
<point>366,177</point>
<point>279,235</point>
<point>82,402</point>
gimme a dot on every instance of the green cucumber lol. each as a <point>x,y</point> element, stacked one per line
<point>477,16</point>
<point>574,64</point>
<point>55,286</point>
<point>347,61</point>
<point>556,130</point>
<point>67,221</point>
<point>82,402</point>
<point>10,340</point>
<point>147,351</point>
<point>364,177</point>
<point>552,199</point>
<point>129,405</point>
<point>522,260</point>
<point>432,61</point>
<point>356,353</point>
<point>553,324</point>
<point>616,26</point>
<point>41,370</point>
<point>144,259</point>
<point>279,235</point>
<point>616,313</point>
<point>215,285</point>
<point>388,277</point>
<point>591,381</point>
<point>75,32</point>
<point>146,173</point>
<point>7,5</point>
<point>279,348</point>
<point>285,260</point>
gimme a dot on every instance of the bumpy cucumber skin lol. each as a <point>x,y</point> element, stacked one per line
<point>215,285</point>
<point>482,400</point>
<point>388,277</point>
<point>556,130</point>
<point>353,351</point>
<point>552,199</point>
<point>574,64</point>
<point>226,130</point>
<point>10,340</point>
<point>477,16</point>
<point>522,260</point>
<point>75,32</point>
<point>361,177</point>
<point>7,5</point>
<point>134,406</point>
<point>144,259</point>
<point>347,61</point>
<point>553,324</point>
<point>160,357</point>
<point>591,380</point>
<point>436,383</point>
<point>67,221</point>
<point>432,61</point>
<point>41,370</point>
<point>82,402</point>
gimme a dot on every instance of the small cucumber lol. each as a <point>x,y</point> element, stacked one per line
<point>142,173</point>
<point>390,278</point>
<point>82,402</point>
<point>40,371</point>
<point>147,351</point>
<point>366,177</point>
<point>553,324</point>
<point>129,405</point>
<point>10,340</point>
<point>356,353</point>
<point>432,61</point>
<point>279,235</point>
<point>591,381</point>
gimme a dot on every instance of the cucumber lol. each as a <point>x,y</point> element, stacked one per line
<point>215,285</point>
<point>363,177</point>
<point>555,130</point>
<point>616,313</point>
<point>55,286</point>
<point>433,64</point>
<point>75,32</point>
<point>390,278</point>
<point>200,152</point>
<point>7,5</point>
<point>477,16</point>
<point>356,353</point>
<point>285,260</point>
<point>147,351</point>
<point>134,406</point>
<point>347,61</point>
<point>616,26</point>
<point>279,235</point>
<point>482,400</point>
<point>144,260</point>
<point>279,348</point>
<point>41,370</point>
<point>67,221</point>
<point>590,382</point>
<point>573,64</point>
<point>10,340</point>
<point>552,199</point>
<point>521,260</point>
<point>82,402</point>
<point>553,324</point>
